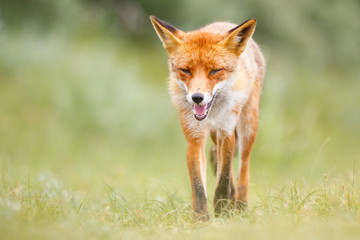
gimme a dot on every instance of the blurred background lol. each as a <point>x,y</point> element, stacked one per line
<point>83,89</point>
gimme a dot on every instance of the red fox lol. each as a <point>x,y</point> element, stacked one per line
<point>216,76</point>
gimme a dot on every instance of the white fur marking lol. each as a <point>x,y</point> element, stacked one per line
<point>182,85</point>
<point>189,98</point>
<point>218,86</point>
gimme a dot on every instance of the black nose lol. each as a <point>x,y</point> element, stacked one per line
<point>197,97</point>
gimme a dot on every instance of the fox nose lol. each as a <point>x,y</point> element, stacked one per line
<point>197,97</point>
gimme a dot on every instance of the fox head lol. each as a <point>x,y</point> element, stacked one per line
<point>202,62</point>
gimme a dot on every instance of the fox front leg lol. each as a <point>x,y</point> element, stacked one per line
<point>224,184</point>
<point>197,170</point>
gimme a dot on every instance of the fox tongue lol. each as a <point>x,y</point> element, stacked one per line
<point>200,109</point>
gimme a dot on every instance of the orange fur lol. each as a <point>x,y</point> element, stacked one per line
<point>221,63</point>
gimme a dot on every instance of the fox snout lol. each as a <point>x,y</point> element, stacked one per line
<point>197,97</point>
<point>200,104</point>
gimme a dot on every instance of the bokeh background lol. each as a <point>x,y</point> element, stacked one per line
<point>83,91</point>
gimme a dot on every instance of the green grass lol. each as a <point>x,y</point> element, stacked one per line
<point>91,147</point>
<point>42,206</point>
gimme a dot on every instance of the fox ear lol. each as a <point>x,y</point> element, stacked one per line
<point>237,37</point>
<point>167,33</point>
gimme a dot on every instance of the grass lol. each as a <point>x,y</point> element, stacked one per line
<point>91,148</point>
<point>46,208</point>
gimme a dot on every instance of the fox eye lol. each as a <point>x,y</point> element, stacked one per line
<point>214,71</point>
<point>186,71</point>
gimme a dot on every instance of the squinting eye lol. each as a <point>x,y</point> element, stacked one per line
<point>212,72</point>
<point>186,71</point>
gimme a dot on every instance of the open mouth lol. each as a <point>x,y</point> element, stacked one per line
<point>201,111</point>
